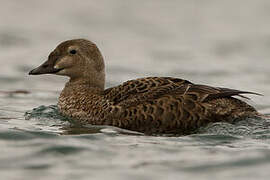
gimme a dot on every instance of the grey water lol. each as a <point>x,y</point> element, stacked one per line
<point>219,43</point>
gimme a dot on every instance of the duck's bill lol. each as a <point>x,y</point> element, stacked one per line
<point>44,69</point>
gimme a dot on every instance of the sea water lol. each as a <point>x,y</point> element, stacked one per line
<point>219,43</point>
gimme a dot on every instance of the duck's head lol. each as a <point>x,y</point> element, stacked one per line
<point>78,59</point>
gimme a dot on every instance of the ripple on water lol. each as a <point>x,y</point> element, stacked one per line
<point>62,150</point>
<point>216,148</point>
<point>21,135</point>
<point>44,112</point>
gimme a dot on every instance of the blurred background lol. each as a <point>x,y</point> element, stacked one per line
<point>219,43</point>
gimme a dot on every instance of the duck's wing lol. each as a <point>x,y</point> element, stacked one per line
<point>142,90</point>
<point>206,93</point>
<point>169,105</point>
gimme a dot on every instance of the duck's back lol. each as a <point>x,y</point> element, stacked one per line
<point>171,105</point>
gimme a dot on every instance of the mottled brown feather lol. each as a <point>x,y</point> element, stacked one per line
<point>165,107</point>
<point>150,105</point>
<point>180,107</point>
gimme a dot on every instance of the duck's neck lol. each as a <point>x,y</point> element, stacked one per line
<point>87,82</point>
<point>82,86</point>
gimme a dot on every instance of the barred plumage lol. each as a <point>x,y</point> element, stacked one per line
<point>150,105</point>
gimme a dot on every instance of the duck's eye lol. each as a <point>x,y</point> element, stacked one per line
<point>73,51</point>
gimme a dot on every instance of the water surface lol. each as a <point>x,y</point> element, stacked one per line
<point>211,42</point>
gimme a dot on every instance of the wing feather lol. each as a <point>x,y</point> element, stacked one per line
<point>142,90</point>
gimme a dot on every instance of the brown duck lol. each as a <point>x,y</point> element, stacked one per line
<point>151,105</point>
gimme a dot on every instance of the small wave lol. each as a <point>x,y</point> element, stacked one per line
<point>44,112</point>
<point>255,127</point>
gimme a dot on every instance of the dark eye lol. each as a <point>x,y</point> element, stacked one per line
<point>73,51</point>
